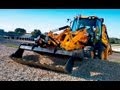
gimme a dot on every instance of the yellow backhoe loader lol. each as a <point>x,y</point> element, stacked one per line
<point>85,37</point>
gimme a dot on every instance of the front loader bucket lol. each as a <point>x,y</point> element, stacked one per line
<point>66,68</point>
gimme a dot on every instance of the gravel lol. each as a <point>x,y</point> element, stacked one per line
<point>90,70</point>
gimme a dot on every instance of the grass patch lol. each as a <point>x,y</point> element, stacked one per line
<point>11,45</point>
<point>115,44</point>
<point>116,51</point>
<point>116,61</point>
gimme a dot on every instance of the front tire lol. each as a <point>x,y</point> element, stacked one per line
<point>89,53</point>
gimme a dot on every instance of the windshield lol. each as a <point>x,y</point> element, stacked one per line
<point>79,23</point>
<point>89,24</point>
<point>75,25</point>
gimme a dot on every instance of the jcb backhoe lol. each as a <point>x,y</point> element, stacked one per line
<point>86,37</point>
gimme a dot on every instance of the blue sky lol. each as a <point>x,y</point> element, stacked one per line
<point>48,19</point>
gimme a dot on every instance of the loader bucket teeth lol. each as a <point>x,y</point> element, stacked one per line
<point>69,65</point>
<point>18,53</point>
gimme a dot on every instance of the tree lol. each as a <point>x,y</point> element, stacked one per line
<point>114,41</point>
<point>11,33</point>
<point>1,30</point>
<point>35,33</point>
<point>20,31</point>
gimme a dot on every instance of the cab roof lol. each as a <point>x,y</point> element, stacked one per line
<point>89,17</point>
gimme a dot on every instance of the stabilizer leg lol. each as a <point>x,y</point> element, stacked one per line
<point>69,65</point>
<point>18,53</point>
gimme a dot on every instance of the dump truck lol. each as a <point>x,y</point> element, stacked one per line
<point>85,38</point>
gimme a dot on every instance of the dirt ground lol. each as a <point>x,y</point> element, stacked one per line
<point>92,70</point>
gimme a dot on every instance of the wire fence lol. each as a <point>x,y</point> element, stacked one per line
<point>19,38</point>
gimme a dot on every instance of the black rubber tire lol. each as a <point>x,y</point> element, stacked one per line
<point>100,52</point>
<point>89,53</point>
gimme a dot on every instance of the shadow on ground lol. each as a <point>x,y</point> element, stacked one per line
<point>98,70</point>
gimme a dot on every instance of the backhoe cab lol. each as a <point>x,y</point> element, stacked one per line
<point>99,40</point>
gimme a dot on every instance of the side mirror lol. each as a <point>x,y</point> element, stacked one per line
<point>102,20</point>
<point>68,20</point>
<point>71,23</point>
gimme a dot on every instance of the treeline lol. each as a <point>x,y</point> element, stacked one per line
<point>36,32</point>
<point>114,41</point>
<point>19,32</point>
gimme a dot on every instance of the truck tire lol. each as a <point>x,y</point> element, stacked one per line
<point>88,51</point>
<point>101,53</point>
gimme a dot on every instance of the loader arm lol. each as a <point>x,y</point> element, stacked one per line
<point>75,40</point>
<point>59,37</point>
